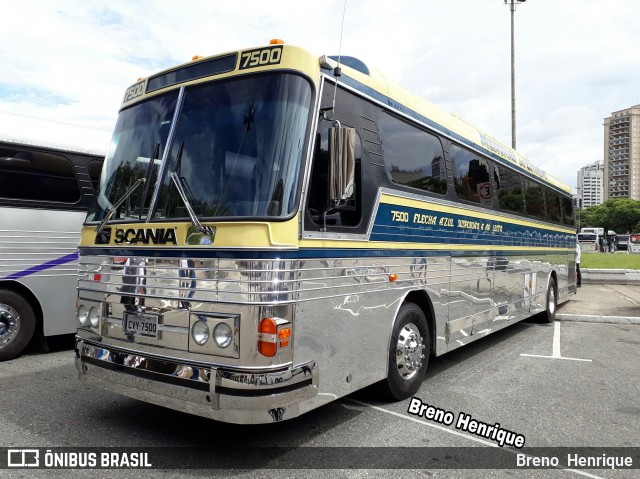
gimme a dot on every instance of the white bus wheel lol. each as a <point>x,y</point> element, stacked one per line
<point>17,324</point>
<point>408,353</point>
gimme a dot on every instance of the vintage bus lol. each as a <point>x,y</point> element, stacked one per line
<point>275,230</point>
<point>45,192</point>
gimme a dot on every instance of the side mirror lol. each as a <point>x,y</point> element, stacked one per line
<point>342,145</point>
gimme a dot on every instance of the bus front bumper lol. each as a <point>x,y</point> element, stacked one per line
<point>241,397</point>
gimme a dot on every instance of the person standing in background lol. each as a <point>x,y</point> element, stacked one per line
<point>578,274</point>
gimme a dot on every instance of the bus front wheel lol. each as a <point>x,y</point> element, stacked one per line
<point>17,324</point>
<point>408,353</point>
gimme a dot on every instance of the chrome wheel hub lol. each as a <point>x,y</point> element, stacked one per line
<point>409,351</point>
<point>9,324</point>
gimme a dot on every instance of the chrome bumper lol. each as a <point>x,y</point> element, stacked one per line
<point>241,397</point>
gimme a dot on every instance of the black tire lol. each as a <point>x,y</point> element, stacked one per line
<point>551,302</point>
<point>17,324</point>
<point>410,336</point>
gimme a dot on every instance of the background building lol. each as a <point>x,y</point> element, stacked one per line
<point>590,185</point>
<point>622,154</point>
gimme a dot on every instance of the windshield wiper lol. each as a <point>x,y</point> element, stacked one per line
<point>143,198</point>
<point>194,219</point>
<point>117,204</point>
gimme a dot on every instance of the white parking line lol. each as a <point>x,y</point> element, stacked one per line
<point>556,347</point>
<point>457,433</point>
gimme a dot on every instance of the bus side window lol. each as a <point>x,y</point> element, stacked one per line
<point>412,156</point>
<point>471,176</point>
<point>534,198</point>
<point>509,190</point>
<point>350,212</point>
<point>32,175</point>
<point>553,205</point>
<point>567,212</point>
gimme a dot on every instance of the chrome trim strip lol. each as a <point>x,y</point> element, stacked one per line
<point>189,376</point>
<point>309,159</point>
<point>193,376</point>
<point>140,351</point>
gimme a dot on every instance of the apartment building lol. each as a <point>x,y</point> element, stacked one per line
<point>590,185</point>
<point>622,154</point>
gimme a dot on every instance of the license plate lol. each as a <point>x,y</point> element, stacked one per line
<point>141,324</point>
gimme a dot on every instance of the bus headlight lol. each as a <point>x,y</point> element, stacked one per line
<point>222,335</point>
<point>200,332</point>
<point>215,333</point>
<point>83,315</point>
<point>94,317</point>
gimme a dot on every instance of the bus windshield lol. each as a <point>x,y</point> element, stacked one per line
<point>237,151</point>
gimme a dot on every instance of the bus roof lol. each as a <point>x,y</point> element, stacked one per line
<point>403,100</point>
<point>355,74</point>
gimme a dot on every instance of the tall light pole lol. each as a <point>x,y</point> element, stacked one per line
<point>512,6</point>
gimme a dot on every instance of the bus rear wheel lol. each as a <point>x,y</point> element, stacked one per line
<point>408,353</point>
<point>17,324</point>
<point>551,302</point>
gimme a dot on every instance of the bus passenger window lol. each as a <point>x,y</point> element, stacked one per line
<point>471,176</point>
<point>567,212</point>
<point>32,175</point>
<point>509,190</point>
<point>412,157</point>
<point>350,212</point>
<point>553,205</point>
<point>534,198</point>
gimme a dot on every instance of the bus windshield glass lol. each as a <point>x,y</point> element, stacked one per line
<point>141,132</point>
<point>237,150</point>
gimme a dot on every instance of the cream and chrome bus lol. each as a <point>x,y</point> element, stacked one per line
<point>275,230</point>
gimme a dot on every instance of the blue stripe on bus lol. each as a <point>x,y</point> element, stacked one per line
<point>307,253</point>
<point>44,266</point>
<point>395,223</point>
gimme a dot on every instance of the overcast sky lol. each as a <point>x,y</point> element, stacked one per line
<point>69,61</point>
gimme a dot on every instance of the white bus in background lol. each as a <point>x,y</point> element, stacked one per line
<point>603,244</point>
<point>634,243</point>
<point>45,191</point>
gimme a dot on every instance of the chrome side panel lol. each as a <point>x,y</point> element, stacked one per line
<point>38,250</point>
<point>345,314</point>
<point>342,309</point>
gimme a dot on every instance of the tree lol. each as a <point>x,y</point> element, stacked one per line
<point>619,214</point>
<point>585,215</point>
<point>602,216</point>
<point>626,214</point>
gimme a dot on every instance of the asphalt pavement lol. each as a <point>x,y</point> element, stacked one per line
<point>603,303</point>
